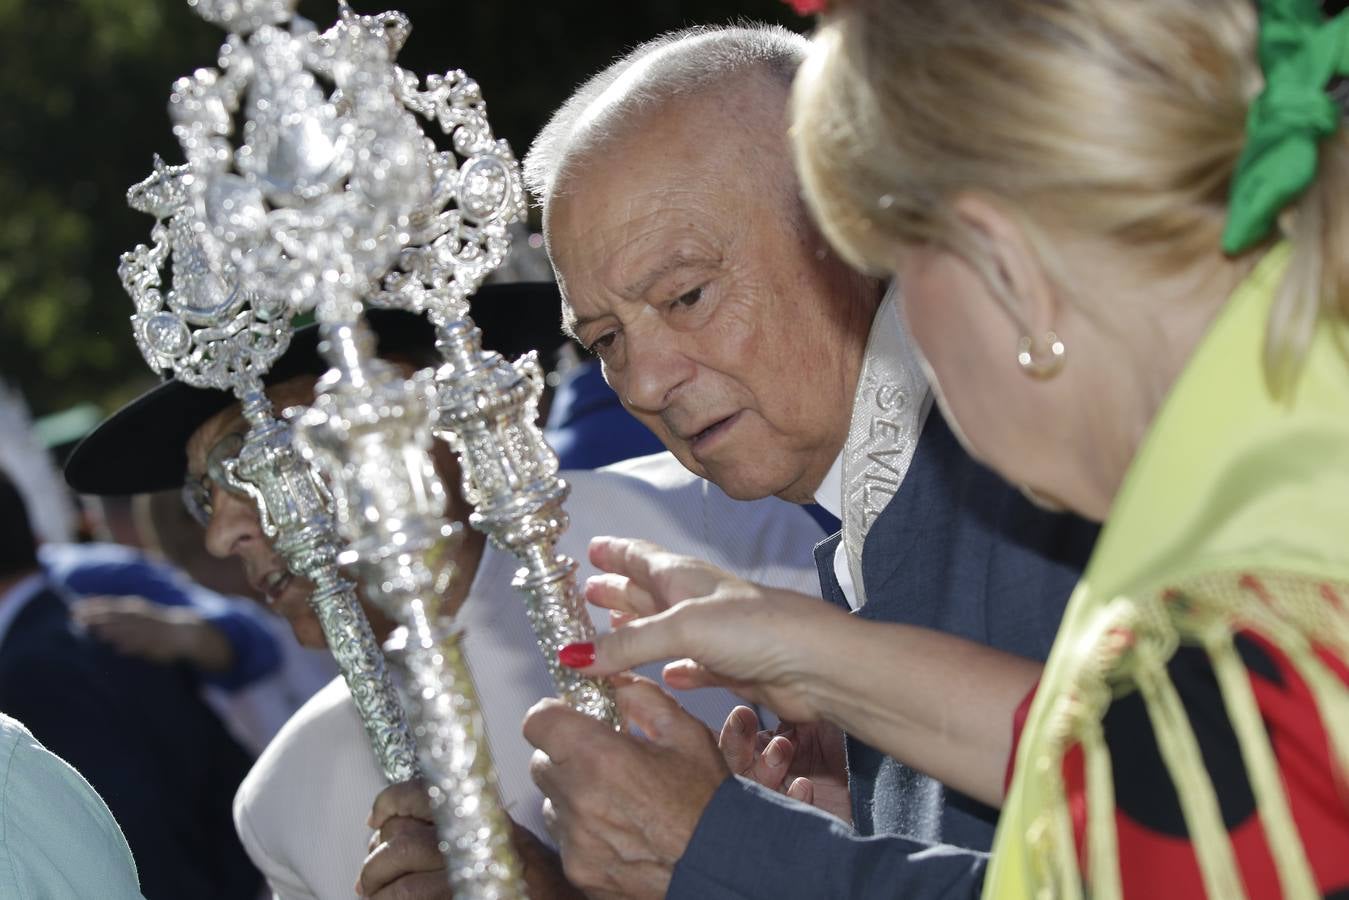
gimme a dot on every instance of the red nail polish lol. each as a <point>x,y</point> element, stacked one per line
<point>577,656</point>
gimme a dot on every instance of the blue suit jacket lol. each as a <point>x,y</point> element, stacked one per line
<point>957,550</point>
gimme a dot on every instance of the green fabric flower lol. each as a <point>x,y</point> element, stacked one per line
<point>1300,53</point>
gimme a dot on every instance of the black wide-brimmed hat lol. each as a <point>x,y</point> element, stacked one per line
<point>143,446</point>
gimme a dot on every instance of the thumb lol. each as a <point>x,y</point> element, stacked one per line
<point>644,705</point>
<point>802,790</point>
<point>661,636</point>
<point>410,799</point>
<point>738,738</point>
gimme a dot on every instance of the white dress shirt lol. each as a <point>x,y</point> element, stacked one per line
<point>301,812</point>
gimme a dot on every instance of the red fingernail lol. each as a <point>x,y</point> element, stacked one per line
<point>577,656</point>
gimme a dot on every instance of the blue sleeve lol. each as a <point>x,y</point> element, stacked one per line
<point>752,842</point>
<point>255,649</point>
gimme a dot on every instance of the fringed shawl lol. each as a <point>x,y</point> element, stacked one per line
<point>1234,515</point>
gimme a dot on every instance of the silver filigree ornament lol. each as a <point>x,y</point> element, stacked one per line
<point>488,406</point>
<point>208,333</point>
<point>243,16</point>
<point>330,168</point>
<point>331,180</point>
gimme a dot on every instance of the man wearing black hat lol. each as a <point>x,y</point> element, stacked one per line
<point>301,812</point>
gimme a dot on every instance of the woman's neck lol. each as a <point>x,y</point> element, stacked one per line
<point>1137,363</point>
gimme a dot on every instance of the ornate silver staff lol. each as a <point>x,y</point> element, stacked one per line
<point>487,406</point>
<point>210,334</point>
<point>312,208</point>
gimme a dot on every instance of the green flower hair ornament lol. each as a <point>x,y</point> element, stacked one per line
<point>1300,52</point>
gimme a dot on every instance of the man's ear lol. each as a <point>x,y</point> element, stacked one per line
<point>1024,285</point>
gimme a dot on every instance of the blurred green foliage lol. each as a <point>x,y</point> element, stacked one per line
<point>83,91</point>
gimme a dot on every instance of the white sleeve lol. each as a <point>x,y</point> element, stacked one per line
<point>284,883</point>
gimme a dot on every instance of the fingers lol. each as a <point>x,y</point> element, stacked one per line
<point>560,731</point>
<point>666,577</point>
<point>803,790</point>
<point>395,828</point>
<point>687,675</point>
<point>407,798</point>
<point>737,739</point>
<point>421,886</point>
<point>413,848</point>
<point>657,637</point>
<point>645,706</point>
<point>621,595</point>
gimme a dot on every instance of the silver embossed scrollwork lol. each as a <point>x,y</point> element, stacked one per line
<point>210,334</point>
<point>370,428</point>
<point>488,405</point>
<point>488,411</point>
<point>310,176</point>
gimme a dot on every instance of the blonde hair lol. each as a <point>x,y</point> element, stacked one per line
<point>1122,120</point>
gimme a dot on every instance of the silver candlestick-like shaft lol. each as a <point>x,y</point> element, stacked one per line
<point>370,428</point>
<point>293,506</point>
<point>312,195</point>
<point>487,406</point>
<point>488,409</point>
<point>210,335</point>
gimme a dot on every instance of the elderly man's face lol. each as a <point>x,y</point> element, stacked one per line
<point>234,529</point>
<point>722,321</point>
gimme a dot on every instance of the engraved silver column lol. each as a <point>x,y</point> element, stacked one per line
<point>210,334</point>
<point>487,405</point>
<point>331,177</point>
<point>488,412</point>
<point>371,429</point>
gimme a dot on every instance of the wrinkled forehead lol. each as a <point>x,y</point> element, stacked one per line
<point>230,420</point>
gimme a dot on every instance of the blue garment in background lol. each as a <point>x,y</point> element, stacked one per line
<point>588,426</point>
<point>87,570</point>
<point>144,739</point>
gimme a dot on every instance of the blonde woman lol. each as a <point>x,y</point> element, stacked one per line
<point>1121,233</point>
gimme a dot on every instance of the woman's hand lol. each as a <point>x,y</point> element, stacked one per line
<point>753,640</point>
<point>940,703</point>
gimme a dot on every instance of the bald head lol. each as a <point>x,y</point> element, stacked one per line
<point>689,267</point>
<point>696,74</point>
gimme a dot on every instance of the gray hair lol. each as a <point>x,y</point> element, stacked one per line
<point>678,63</point>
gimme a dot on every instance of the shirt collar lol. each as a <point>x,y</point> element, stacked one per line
<point>830,492</point>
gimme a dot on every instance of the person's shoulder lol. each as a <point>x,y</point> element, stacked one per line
<point>656,471</point>
<point>300,812</point>
<point>66,834</point>
<point>41,644</point>
<point>327,719</point>
<point>656,498</point>
<point>322,736</point>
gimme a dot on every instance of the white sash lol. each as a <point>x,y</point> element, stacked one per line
<point>889,409</point>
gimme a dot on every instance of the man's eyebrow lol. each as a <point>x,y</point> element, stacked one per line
<point>572,324</point>
<point>678,260</point>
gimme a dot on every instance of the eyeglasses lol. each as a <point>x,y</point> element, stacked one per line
<point>197,492</point>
